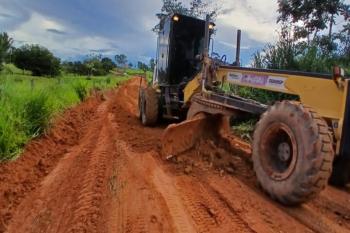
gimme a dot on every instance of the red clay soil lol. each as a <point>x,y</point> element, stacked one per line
<point>100,170</point>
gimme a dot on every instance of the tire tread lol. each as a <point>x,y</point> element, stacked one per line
<point>320,158</point>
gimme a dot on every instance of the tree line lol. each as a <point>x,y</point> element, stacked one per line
<point>314,36</point>
<point>42,62</point>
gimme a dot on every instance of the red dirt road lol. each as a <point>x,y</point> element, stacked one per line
<point>99,170</point>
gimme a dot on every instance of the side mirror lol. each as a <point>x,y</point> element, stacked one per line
<point>339,76</point>
<point>338,72</point>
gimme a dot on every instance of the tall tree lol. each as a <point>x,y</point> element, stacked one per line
<point>173,6</point>
<point>107,64</point>
<point>195,8</point>
<point>37,59</point>
<point>152,64</point>
<point>142,66</point>
<point>344,38</point>
<point>5,46</point>
<point>121,59</point>
<point>311,17</point>
<point>313,20</point>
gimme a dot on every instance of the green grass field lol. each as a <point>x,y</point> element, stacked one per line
<point>28,104</point>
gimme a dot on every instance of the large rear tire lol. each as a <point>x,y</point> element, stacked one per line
<point>292,153</point>
<point>148,106</point>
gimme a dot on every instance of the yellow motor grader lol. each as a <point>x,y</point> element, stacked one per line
<point>298,146</point>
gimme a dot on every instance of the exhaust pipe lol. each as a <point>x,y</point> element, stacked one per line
<point>238,48</point>
<point>206,53</point>
<point>207,35</point>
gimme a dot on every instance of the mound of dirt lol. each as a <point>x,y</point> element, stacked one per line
<point>220,157</point>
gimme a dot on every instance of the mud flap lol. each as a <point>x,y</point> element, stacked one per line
<point>179,138</point>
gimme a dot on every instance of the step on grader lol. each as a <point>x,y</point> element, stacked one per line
<point>298,146</point>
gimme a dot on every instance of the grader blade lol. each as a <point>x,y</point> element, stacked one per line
<point>179,138</point>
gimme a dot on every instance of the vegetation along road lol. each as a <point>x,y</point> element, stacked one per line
<point>28,104</point>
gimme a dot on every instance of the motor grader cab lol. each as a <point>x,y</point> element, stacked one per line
<point>298,146</point>
<point>180,42</point>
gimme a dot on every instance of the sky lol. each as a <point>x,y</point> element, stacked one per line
<point>72,29</point>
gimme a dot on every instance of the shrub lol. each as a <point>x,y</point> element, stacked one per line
<point>259,95</point>
<point>108,80</point>
<point>11,138</point>
<point>37,59</point>
<point>81,90</point>
<point>37,113</point>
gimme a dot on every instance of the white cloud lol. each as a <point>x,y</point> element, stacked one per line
<point>257,18</point>
<point>120,27</point>
<point>47,23</point>
<point>39,30</point>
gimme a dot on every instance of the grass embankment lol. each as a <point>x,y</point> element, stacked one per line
<point>28,104</point>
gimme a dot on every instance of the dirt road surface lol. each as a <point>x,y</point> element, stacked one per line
<point>99,170</point>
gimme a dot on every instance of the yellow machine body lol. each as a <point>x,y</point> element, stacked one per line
<point>326,96</point>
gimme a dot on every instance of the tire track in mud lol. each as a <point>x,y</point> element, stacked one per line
<point>258,211</point>
<point>157,207</point>
<point>325,213</point>
<point>164,184</point>
<point>316,215</point>
<point>126,217</point>
<point>210,212</point>
<point>136,205</point>
<point>333,201</point>
<point>86,210</point>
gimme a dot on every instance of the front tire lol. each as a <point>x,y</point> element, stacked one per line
<point>292,153</point>
<point>148,106</point>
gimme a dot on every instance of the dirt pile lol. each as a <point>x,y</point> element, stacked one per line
<point>217,157</point>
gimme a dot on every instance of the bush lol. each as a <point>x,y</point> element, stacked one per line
<point>11,137</point>
<point>81,90</point>
<point>94,65</point>
<point>37,59</point>
<point>244,128</point>
<point>259,95</point>
<point>37,114</point>
<point>108,80</point>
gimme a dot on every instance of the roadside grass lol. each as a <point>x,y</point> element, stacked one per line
<point>28,105</point>
<point>10,69</point>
